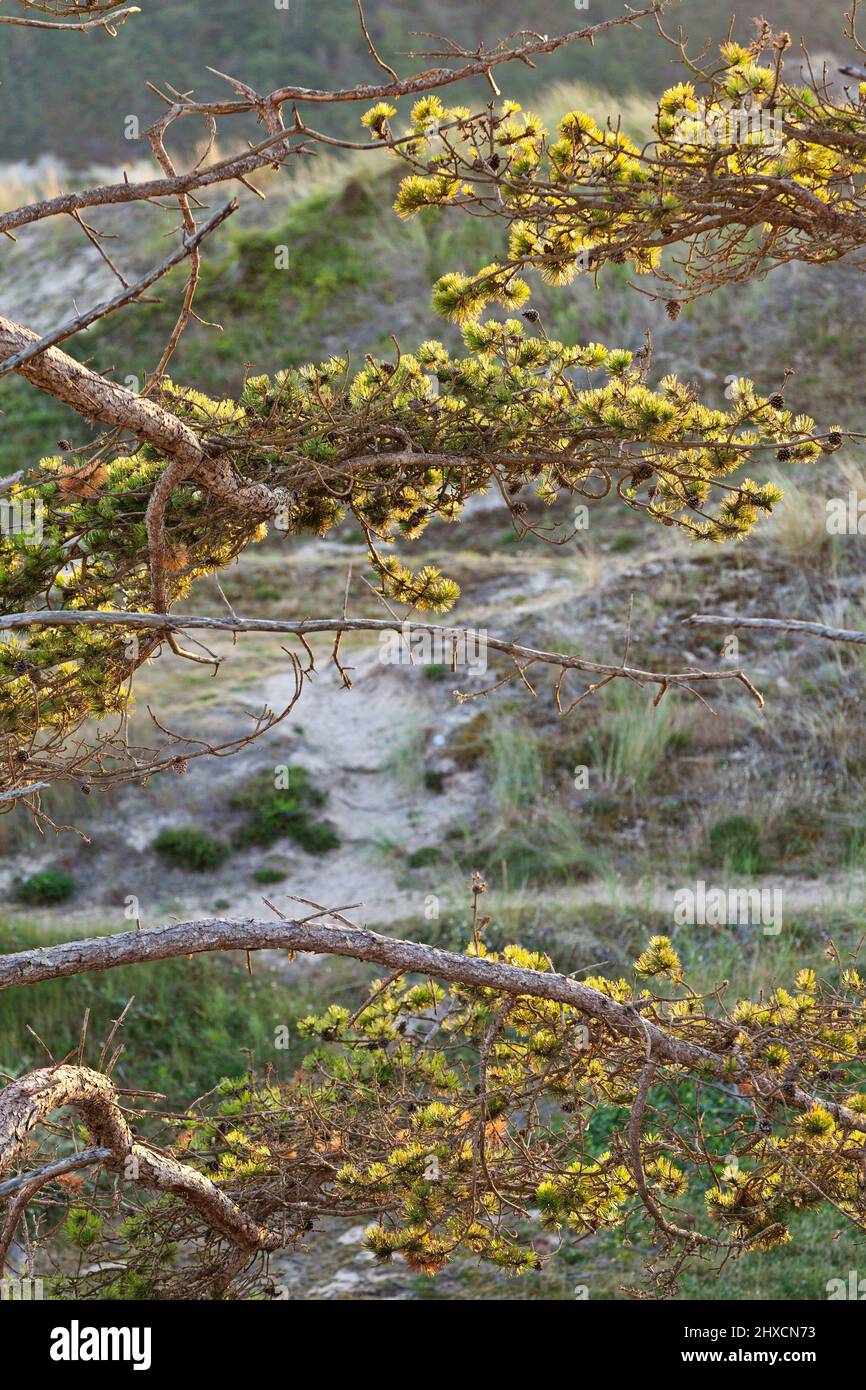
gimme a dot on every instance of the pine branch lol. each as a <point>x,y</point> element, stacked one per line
<point>832,634</point>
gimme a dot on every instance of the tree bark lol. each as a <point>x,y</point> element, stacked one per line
<point>27,1102</point>
<point>218,934</point>
<point>97,399</point>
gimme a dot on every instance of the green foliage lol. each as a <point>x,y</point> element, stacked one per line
<point>424,857</point>
<point>737,843</point>
<point>659,960</point>
<point>274,813</point>
<point>185,847</point>
<point>46,886</point>
<point>83,1227</point>
<point>512,404</point>
<point>397,444</point>
<point>418,1098</point>
<point>645,195</point>
<point>269,873</point>
<point>188,1024</point>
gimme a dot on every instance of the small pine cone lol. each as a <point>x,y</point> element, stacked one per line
<point>673,309</point>
<point>64,445</point>
<point>777,401</point>
<point>783,454</point>
<point>531,315</point>
<point>834,439</point>
<point>641,474</point>
<point>519,508</point>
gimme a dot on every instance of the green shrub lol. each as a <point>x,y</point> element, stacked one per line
<point>268,873</point>
<point>737,843</point>
<point>47,886</point>
<point>191,849</point>
<point>623,541</point>
<point>273,813</point>
<point>420,858</point>
<point>471,740</point>
<point>316,837</point>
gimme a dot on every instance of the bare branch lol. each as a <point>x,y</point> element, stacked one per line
<point>338,937</point>
<point>832,634</point>
<point>131,292</point>
<point>276,147</point>
<point>18,792</point>
<point>85,1159</point>
<point>106,20</point>
<point>28,1101</point>
<point>526,655</point>
<point>96,398</point>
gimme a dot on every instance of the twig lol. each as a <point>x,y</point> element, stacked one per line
<point>55,1170</point>
<point>108,306</point>
<point>832,634</point>
<point>179,622</point>
<point>103,21</point>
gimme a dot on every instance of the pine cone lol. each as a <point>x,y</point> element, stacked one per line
<point>641,474</point>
